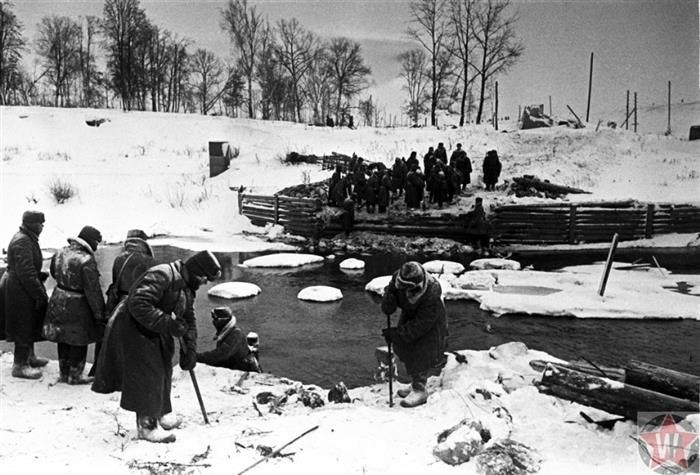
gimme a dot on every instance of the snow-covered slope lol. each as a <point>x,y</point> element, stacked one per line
<point>150,170</point>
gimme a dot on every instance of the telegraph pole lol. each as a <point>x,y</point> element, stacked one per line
<point>635,112</point>
<point>495,117</point>
<point>668,130</point>
<point>590,84</point>
<point>627,111</point>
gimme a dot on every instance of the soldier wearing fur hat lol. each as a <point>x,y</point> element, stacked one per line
<point>158,309</point>
<point>23,302</point>
<point>232,349</point>
<point>76,307</point>
<point>420,337</point>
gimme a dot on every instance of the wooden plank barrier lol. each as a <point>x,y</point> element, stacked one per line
<point>547,223</point>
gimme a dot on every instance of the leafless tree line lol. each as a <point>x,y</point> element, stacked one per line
<point>461,44</point>
<point>277,71</point>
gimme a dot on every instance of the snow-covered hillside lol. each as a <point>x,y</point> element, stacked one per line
<point>150,170</point>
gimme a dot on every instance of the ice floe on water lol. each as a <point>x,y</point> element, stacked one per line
<point>494,263</point>
<point>234,290</point>
<point>443,267</point>
<point>284,259</point>
<point>352,264</point>
<point>320,293</point>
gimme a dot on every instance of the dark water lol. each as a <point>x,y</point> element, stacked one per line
<point>324,343</point>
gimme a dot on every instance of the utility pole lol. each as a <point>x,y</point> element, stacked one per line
<point>668,130</point>
<point>550,106</point>
<point>495,116</point>
<point>635,112</point>
<point>627,111</point>
<point>590,84</point>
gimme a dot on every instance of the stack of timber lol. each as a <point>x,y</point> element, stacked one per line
<point>529,185</point>
<point>297,215</point>
<point>447,226</point>
<point>676,218</point>
<point>331,161</point>
<point>639,387</point>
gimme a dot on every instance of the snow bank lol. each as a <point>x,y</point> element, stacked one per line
<point>352,264</point>
<point>378,284</point>
<point>234,290</point>
<point>320,293</point>
<point>283,260</point>
<point>44,425</point>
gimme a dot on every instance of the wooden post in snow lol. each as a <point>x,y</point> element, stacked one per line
<point>608,265</point>
<point>635,112</point>
<point>550,106</point>
<point>495,115</point>
<point>668,129</point>
<point>627,111</point>
<point>590,84</point>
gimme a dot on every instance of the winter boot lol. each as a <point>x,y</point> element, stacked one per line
<point>148,430</point>
<point>25,371</point>
<point>415,398</point>
<point>64,369</point>
<point>75,375</point>
<point>35,361</point>
<point>403,392</point>
<point>170,421</point>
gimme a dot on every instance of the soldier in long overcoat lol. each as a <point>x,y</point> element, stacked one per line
<point>76,307</point>
<point>159,308</point>
<point>492,169</point>
<point>420,338</point>
<point>24,297</point>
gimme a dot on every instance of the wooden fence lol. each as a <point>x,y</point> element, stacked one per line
<point>298,215</point>
<point>591,222</point>
<point>329,162</point>
<point>511,224</point>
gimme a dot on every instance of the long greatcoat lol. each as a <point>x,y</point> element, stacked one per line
<point>139,326</point>
<point>128,266</point>
<point>491,168</point>
<point>24,296</point>
<point>76,305</point>
<point>422,326</point>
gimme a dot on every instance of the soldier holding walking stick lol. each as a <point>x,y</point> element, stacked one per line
<point>419,339</point>
<point>158,309</point>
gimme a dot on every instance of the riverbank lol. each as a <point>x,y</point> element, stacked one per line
<point>54,426</point>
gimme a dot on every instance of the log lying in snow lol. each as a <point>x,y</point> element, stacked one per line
<point>606,394</point>
<point>527,181</point>
<point>667,381</point>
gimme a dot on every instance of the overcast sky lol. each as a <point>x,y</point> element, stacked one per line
<point>637,44</point>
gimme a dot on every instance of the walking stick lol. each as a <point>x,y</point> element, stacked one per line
<point>391,364</point>
<point>196,389</point>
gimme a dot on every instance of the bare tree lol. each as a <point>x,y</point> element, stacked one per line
<point>317,83</point>
<point>348,71</point>
<point>462,14</point>
<point>414,70</point>
<point>429,28</point>
<point>89,76</point>
<point>295,53</point>
<point>123,28</point>
<point>232,92</point>
<point>367,110</point>
<point>245,27</point>
<point>495,39</point>
<point>58,44</point>
<point>206,69</point>
<point>11,46</point>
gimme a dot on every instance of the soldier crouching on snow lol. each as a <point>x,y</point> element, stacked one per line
<point>233,350</point>
<point>421,335</point>
<point>159,308</point>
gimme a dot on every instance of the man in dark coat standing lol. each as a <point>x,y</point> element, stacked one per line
<point>24,296</point>
<point>232,350</point>
<point>159,308</point>
<point>441,153</point>
<point>461,162</point>
<point>420,338</point>
<point>492,169</point>
<point>135,259</point>
<point>76,307</point>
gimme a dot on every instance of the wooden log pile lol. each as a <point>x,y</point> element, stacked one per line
<point>529,185</point>
<point>297,215</point>
<point>641,387</point>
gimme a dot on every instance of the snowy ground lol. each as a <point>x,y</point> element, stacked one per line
<point>150,170</point>
<point>69,429</point>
